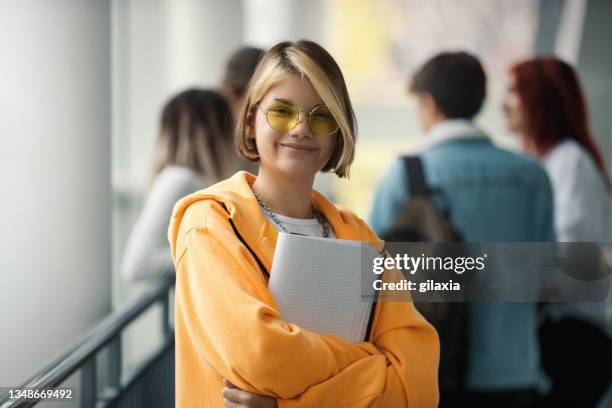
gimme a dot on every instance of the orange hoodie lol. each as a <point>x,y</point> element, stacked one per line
<point>228,325</point>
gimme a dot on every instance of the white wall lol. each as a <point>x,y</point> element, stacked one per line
<point>267,22</point>
<point>160,47</point>
<point>594,64</point>
<point>54,176</point>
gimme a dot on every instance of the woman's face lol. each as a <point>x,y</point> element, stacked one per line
<point>513,108</point>
<point>297,152</point>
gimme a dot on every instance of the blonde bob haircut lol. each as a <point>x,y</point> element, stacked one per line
<point>310,61</point>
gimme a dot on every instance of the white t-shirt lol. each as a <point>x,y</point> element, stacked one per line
<point>309,227</point>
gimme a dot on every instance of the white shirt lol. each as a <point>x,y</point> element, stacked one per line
<point>582,214</point>
<point>309,227</point>
<point>582,201</point>
<point>147,254</point>
<point>453,129</point>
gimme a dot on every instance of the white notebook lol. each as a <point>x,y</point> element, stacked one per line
<point>318,284</point>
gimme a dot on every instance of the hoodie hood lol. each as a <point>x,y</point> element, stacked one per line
<point>233,198</point>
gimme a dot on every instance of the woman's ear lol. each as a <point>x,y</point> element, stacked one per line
<point>250,135</point>
<point>250,119</point>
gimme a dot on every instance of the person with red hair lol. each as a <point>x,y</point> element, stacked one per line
<point>545,105</point>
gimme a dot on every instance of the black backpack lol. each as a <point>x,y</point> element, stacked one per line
<point>420,220</point>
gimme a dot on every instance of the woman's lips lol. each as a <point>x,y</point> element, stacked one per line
<point>297,148</point>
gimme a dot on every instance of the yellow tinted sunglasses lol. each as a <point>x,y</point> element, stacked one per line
<point>282,115</point>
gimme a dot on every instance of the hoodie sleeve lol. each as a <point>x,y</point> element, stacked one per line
<point>226,315</point>
<point>404,375</point>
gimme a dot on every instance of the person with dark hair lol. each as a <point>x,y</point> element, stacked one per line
<point>238,72</point>
<point>490,195</point>
<point>194,149</point>
<point>455,82</point>
<point>546,106</point>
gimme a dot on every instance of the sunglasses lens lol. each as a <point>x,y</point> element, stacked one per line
<point>322,122</point>
<point>282,116</point>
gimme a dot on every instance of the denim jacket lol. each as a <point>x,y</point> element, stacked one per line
<point>494,196</point>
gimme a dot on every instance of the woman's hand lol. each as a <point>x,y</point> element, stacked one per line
<point>234,397</point>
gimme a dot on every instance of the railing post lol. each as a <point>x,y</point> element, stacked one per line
<point>112,387</point>
<point>166,328</point>
<point>88,383</point>
<point>114,363</point>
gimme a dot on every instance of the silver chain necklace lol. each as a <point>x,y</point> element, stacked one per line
<point>319,217</point>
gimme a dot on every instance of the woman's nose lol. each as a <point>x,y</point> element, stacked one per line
<point>302,129</point>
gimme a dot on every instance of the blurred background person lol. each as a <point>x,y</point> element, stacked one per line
<point>546,107</point>
<point>493,195</point>
<point>194,150</point>
<point>238,71</point>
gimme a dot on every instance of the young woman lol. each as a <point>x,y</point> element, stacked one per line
<point>232,348</point>
<point>545,105</point>
<point>193,151</point>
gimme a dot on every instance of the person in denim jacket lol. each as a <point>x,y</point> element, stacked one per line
<point>494,195</point>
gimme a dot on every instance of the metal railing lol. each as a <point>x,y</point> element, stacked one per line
<point>81,356</point>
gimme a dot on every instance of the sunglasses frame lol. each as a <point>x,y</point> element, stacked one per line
<point>309,114</point>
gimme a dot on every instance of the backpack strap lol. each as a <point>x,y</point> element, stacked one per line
<point>419,187</point>
<point>416,176</point>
